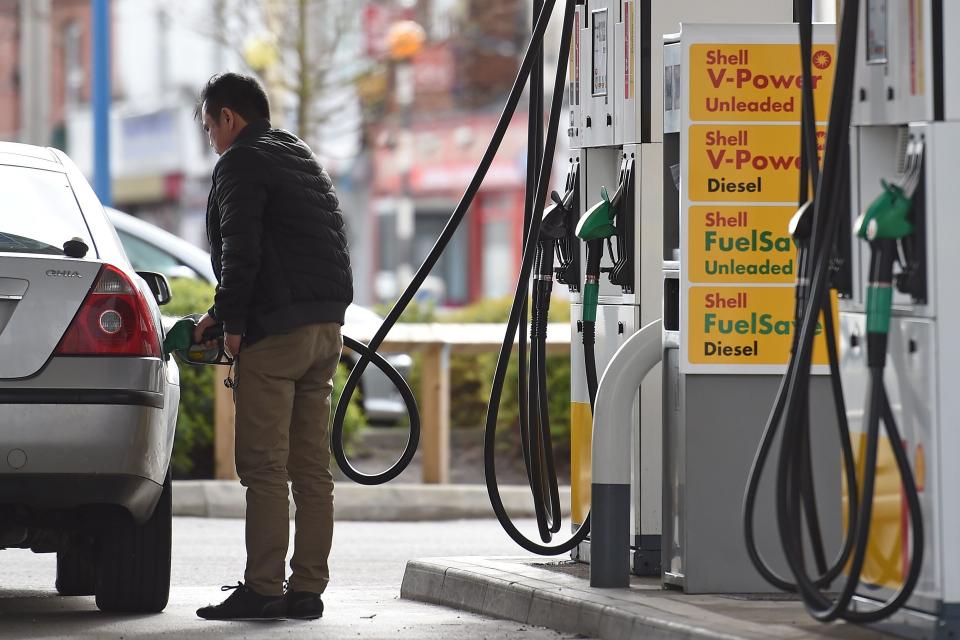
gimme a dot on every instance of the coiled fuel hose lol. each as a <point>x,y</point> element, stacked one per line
<point>538,444</point>
<point>530,251</point>
<point>816,230</point>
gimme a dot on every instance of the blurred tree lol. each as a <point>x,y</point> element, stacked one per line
<point>489,46</point>
<point>307,53</point>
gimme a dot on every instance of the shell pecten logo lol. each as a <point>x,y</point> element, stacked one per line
<point>822,59</point>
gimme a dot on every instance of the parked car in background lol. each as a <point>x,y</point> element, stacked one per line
<point>88,405</point>
<point>151,248</point>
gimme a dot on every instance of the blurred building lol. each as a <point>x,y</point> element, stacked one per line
<point>163,52</point>
<point>460,81</point>
<point>160,161</point>
<point>44,67</point>
<point>382,152</point>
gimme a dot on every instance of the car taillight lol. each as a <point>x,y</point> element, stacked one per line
<point>114,319</point>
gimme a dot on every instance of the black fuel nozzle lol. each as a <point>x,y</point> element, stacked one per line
<point>800,229</point>
<point>910,280</point>
<point>621,273</point>
<point>567,270</point>
<point>801,224</point>
<point>554,224</point>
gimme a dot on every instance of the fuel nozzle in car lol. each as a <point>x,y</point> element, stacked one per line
<point>179,341</point>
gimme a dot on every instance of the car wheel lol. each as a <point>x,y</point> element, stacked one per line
<point>76,569</point>
<point>134,571</point>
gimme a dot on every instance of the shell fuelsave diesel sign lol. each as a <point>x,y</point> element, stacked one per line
<point>740,148</point>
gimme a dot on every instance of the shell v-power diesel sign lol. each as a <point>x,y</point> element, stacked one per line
<point>740,182</point>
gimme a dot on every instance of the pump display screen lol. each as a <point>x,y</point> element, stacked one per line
<point>600,52</point>
<point>877,31</point>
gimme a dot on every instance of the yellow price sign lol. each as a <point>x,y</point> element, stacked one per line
<point>740,244</point>
<point>757,82</point>
<point>744,326</point>
<point>745,163</point>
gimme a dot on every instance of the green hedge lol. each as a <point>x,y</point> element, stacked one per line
<point>193,444</point>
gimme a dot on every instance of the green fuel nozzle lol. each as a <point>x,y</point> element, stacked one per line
<point>884,224</point>
<point>595,226</point>
<point>887,217</point>
<point>179,341</point>
<point>597,222</point>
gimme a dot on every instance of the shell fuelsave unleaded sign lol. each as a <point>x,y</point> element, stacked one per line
<point>741,160</point>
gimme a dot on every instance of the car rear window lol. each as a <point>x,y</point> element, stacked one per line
<point>147,257</point>
<point>38,212</point>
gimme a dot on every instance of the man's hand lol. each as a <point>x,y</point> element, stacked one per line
<point>205,323</point>
<point>231,344</point>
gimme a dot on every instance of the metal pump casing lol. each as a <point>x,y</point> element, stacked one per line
<point>715,404</point>
<point>616,103</point>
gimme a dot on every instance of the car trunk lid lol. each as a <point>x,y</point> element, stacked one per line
<point>39,297</point>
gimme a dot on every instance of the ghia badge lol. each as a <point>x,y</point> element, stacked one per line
<point>54,273</point>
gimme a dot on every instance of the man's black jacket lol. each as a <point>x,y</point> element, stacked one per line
<point>277,237</point>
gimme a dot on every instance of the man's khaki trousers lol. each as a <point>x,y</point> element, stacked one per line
<point>283,410</point>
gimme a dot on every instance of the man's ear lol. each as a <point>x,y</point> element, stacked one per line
<point>227,118</point>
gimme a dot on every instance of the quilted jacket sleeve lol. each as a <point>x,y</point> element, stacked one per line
<point>241,192</point>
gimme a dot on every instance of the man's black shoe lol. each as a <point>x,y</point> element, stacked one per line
<point>303,605</point>
<point>245,604</point>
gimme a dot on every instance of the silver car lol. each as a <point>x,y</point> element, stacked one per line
<point>151,248</point>
<point>88,405</point>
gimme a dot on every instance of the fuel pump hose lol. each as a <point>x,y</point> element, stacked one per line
<point>365,352</point>
<point>529,256</point>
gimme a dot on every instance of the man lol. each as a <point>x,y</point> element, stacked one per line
<point>284,282</point>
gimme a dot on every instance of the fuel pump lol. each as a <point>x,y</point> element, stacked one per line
<point>891,150</point>
<point>617,93</point>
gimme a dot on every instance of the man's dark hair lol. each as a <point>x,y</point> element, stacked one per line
<point>243,94</point>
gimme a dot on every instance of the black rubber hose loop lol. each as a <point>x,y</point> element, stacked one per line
<point>409,401</point>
